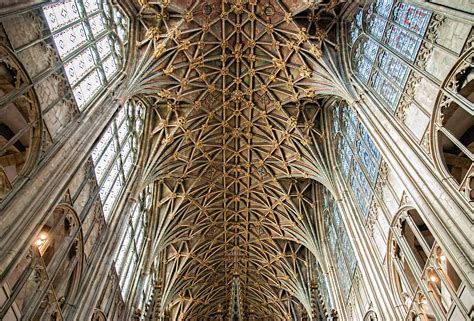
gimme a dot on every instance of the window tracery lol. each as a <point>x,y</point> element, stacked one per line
<point>132,243</point>
<point>383,38</point>
<point>357,155</point>
<point>90,37</point>
<point>422,274</point>
<point>20,122</point>
<point>339,245</point>
<point>44,283</point>
<point>115,153</point>
<point>453,129</point>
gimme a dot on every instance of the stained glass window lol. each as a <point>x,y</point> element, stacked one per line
<point>339,245</point>
<point>381,38</point>
<point>131,245</point>
<point>115,152</point>
<point>88,35</point>
<point>358,157</point>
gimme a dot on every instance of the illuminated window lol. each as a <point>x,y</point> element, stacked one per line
<point>339,245</point>
<point>115,153</point>
<point>381,37</point>
<point>358,156</point>
<point>89,36</point>
<point>133,242</point>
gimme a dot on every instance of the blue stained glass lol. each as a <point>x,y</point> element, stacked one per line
<point>383,7</point>
<point>366,159</point>
<point>358,19</point>
<point>348,251</point>
<point>385,89</point>
<point>376,26</point>
<point>323,287</point>
<point>349,123</point>
<point>412,18</point>
<point>355,32</point>
<point>345,157</point>
<point>393,67</point>
<point>332,238</point>
<point>364,67</point>
<point>337,219</point>
<point>404,42</point>
<point>369,143</point>
<point>370,49</point>
<point>335,120</point>
<point>344,277</point>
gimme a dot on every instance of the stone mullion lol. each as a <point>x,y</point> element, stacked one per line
<point>21,281</point>
<point>369,267</point>
<point>50,271</point>
<point>445,10</point>
<point>66,157</point>
<point>416,173</point>
<point>418,273</point>
<point>103,261</point>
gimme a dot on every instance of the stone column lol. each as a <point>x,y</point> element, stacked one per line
<point>24,214</point>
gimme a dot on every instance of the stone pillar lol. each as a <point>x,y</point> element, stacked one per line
<point>24,214</point>
<point>441,206</point>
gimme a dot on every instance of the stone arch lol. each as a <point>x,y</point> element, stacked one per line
<point>21,122</point>
<point>452,126</point>
<point>424,278</point>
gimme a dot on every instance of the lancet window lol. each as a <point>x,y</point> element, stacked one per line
<point>339,246</point>
<point>357,155</point>
<point>384,39</point>
<point>132,243</point>
<point>427,283</point>
<point>90,37</point>
<point>115,153</point>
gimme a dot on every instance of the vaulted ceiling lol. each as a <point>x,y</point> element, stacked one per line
<point>235,150</point>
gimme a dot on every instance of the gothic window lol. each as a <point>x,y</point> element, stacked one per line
<point>20,126</point>
<point>421,273</point>
<point>132,242</point>
<point>454,126</point>
<point>339,246</point>
<point>43,284</point>
<point>90,37</point>
<point>357,155</point>
<point>323,287</point>
<point>383,37</point>
<point>115,153</point>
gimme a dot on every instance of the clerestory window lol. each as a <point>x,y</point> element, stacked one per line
<point>339,245</point>
<point>357,155</point>
<point>384,39</point>
<point>115,153</point>
<point>90,37</point>
<point>132,244</point>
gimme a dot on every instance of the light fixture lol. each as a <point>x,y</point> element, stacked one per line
<point>42,238</point>
<point>433,278</point>
<point>424,301</point>
<point>442,258</point>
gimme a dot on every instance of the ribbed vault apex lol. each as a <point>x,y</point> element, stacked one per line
<point>234,87</point>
